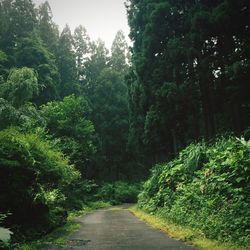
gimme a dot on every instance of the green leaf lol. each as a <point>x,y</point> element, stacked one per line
<point>5,234</point>
<point>239,179</point>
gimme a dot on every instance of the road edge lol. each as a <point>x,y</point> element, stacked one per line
<point>184,234</point>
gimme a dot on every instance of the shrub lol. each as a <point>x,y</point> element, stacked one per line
<point>205,187</point>
<point>32,177</point>
<point>79,193</point>
<point>5,233</point>
<point>118,192</point>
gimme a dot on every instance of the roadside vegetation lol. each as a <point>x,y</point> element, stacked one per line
<point>186,234</point>
<point>206,188</point>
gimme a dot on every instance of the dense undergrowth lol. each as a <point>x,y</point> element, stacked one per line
<point>33,179</point>
<point>206,187</point>
<point>119,192</point>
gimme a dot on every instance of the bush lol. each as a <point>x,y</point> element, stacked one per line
<point>118,192</point>
<point>205,187</point>
<point>5,233</point>
<point>32,177</point>
<point>79,193</point>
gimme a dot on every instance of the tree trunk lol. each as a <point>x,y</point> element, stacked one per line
<point>205,84</point>
<point>175,147</point>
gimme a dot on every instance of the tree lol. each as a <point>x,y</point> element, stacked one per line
<point>106,91</point>
<point>18,18</point>
<point>81,46</point>
<point>9,115</point>
<point>3,60</point>
<point>68,121</point>
<point>30,52</point>
<point>48,30</point>
<point>21,86</point>
<point>119,53</point>
<point>181,57</point>
<point>95,63</point>
<point>66,63</point>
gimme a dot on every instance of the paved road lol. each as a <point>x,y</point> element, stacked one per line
<point>117,229</point>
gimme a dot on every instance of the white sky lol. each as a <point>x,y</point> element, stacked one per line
<point>101,18</point>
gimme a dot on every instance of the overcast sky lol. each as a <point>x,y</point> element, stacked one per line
<point>101,18</point>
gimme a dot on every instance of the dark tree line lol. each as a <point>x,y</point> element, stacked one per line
<point>190,73</point>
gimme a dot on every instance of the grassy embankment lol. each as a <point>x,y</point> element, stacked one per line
<point>205,191</point>
<point>182,233</point>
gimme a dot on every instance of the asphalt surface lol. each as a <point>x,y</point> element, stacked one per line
<point>117,228</point>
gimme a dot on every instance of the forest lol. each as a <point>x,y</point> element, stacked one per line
<point>166,119</point>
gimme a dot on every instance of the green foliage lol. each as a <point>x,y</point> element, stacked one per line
<point>27,117</point>
<point>81,43</point>
<point>66,62</point>
<point>106,92</point>
<point>119,53</point>
<point>5,233</point>
<point>31,52</point>
<point>119,192</point>
<point>206,187</point>
<point>20,87</point>
<point>68,121</point>
<point>47,29</point>
<point>31,119</point>
<point>17,19</point>
<point>40,144</point>
<point>67,117</point>
<point>3,57</point>
<point>3,60</point>
<point>32,174</point>
<point>189,74</point>
<point>79,193</point>
<point>9,115</point>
